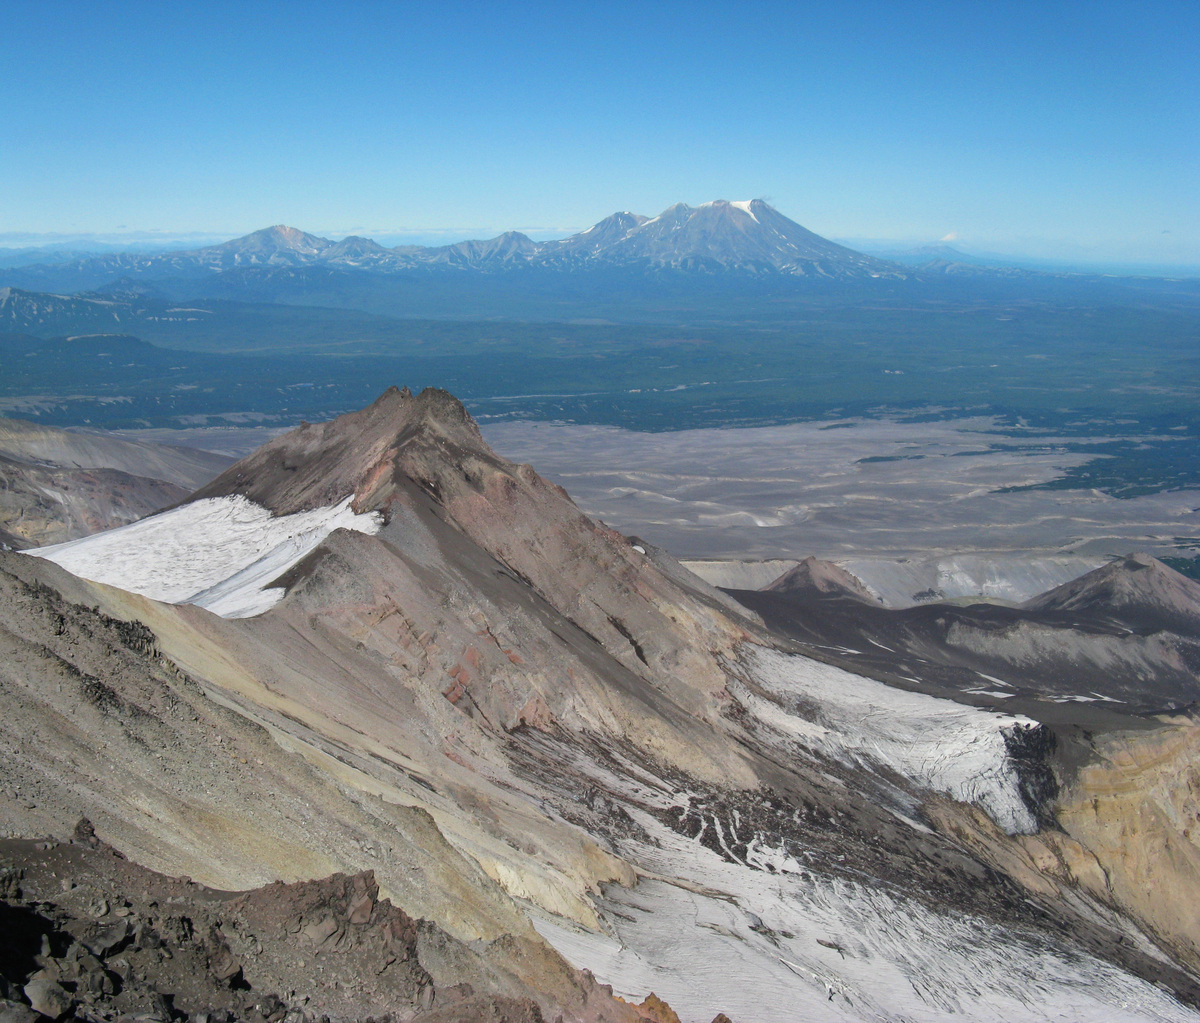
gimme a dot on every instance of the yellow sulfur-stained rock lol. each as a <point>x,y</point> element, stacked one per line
<point>1132,815</point>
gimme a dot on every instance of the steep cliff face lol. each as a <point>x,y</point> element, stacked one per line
<point>1123,836</point>
<point>1136,808</point>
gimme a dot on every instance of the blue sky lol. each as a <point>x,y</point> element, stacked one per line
<point>1051,129</point>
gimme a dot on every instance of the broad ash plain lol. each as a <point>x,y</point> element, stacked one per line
<point>377,724</point>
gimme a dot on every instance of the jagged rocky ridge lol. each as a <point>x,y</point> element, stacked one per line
<point>549,740</point>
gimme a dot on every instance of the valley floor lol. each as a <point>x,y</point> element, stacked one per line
<point>849,489</point>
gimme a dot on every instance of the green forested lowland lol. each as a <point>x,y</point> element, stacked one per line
<point>1120,381</point>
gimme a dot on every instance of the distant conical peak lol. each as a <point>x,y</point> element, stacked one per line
<point>1129,566</point>
<point>284,234</point>
<point>1127,584</point>
<point>813,574</point>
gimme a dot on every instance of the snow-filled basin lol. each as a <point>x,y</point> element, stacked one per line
<point>219,552</point>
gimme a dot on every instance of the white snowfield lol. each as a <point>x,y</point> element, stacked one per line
<point>939,744</point>
<point>219,552</point>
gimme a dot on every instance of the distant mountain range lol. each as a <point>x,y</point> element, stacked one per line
<point>750,237</point>
<point>720,261</point>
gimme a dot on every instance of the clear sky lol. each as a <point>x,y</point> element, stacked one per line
<point>1048,128</point>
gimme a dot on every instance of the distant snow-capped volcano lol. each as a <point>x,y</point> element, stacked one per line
<point>720,234</point>
<point>740,236</point>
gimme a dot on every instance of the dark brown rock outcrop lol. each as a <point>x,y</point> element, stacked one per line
<point>88,934</point>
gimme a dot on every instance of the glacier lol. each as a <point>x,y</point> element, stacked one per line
<point>220,553</point>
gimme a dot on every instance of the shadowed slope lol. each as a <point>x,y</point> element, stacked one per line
<point>57,485</point>
<point>1127,634</point>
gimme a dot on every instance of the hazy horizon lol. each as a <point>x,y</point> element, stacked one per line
<point>1064,255</point>
<point>1042,130</point>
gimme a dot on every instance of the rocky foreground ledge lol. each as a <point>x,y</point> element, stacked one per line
<point>86,934</point>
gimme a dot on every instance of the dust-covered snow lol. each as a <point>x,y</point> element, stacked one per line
<point>939,744</point>
<point>763,934</point>
<point>220,553</point>
<point>787,943</point>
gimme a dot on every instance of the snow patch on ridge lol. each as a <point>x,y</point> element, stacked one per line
<point>744,206</point>
<point>218,553</point>
<point>939,744</point>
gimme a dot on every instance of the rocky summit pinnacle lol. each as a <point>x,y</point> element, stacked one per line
<point>316,465</point>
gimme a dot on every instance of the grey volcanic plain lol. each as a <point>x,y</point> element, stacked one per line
<point>955,505</point>
<point>878,486</point>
